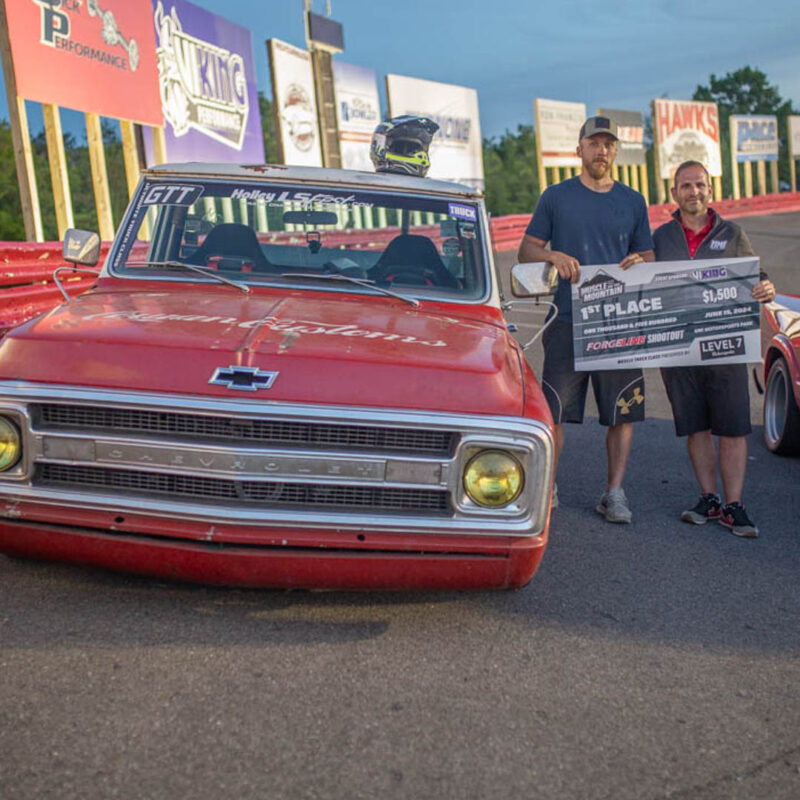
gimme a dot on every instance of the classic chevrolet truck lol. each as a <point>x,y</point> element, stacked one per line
<point>284,377</point>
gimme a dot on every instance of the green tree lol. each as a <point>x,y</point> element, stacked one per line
<point>510,170</point>
<point>11,225</point>
<point>267,110</point>
<point>746,91</point>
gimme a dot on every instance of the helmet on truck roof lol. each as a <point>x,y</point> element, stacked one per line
<point>401,145</point>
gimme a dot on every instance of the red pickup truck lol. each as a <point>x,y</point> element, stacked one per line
<point>284,377</point>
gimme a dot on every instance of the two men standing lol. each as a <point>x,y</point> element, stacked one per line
<point>592,219</point>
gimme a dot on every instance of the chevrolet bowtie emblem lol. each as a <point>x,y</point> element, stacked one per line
<point>246,379</point>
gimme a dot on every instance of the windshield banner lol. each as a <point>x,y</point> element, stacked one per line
<point>666,314</point>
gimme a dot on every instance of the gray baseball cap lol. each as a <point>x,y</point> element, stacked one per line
<point>595,125</point>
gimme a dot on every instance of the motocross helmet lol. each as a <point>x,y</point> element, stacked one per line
<point>401,145</point>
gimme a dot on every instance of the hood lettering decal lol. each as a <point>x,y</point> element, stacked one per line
<point>288,326</point>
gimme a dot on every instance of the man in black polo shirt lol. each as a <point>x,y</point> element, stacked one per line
<point>710,401</point>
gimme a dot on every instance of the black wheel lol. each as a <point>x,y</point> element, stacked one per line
<point>781,416</point>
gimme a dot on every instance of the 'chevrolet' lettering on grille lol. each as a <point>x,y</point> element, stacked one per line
<point>247,379</point>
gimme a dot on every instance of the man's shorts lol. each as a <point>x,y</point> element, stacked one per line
<point>619,394</point>
<point>715,398</point>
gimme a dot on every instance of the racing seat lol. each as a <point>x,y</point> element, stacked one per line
<point>412,259</point>
<point>232,240</point>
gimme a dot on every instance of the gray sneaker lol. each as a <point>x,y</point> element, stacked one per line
<point>614,506</point>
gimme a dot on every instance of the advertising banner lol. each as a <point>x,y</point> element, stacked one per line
<point>794,136</point>
<point>457,149</point>
<point>666,314</point>
<point>97,56</point>
<point>630,129</point>
<point>295,104</point>
<point>207,81</point>
<point>686,130</point>
<point>754,138</point>
<point>358,111</point>
<point>558,125</point>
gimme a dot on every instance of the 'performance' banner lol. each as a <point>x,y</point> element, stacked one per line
<point>666,314</point>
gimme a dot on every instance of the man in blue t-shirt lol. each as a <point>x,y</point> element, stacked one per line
<point>590,219</point>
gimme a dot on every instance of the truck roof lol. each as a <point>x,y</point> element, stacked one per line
<point>281,173</point>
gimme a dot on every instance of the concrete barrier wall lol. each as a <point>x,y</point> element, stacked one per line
<point>27,287</point>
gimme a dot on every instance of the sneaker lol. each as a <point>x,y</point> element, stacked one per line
<point>614,507</point>
<point>554,502</point>
<point>708,507</point>
<point>734,516</point>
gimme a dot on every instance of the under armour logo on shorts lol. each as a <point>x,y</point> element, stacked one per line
<point>625,405</point>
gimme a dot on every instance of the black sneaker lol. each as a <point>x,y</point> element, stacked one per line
<point>708,507</point>
<point>734,516</point>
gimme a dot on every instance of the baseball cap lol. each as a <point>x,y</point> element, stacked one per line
<point>595,125</point>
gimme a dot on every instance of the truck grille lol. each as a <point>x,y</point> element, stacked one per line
<point>265,495</point>
<point>411,441</point>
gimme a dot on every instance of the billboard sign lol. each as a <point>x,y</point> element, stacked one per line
<point>558,125</point>
<point>295,104</point>
<point>794,136</point>
<point>358,111</point>
<point>456,151</point>
<point>686,130</point>
<point>630,129</point>
<point>207,81</point>
<point>754,138</point>
<point>97,56</point>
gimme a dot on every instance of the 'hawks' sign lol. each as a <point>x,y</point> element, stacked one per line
<point>686,130</point>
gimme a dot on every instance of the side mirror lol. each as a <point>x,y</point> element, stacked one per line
<point>81,247</point>
<point>534,279</point>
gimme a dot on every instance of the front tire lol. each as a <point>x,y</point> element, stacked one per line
<point>781,415</point>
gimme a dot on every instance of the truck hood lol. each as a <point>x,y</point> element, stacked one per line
<point>325,348</point>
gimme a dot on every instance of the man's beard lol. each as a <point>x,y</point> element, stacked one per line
<point>598,170</point>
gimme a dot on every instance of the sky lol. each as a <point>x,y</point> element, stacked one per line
<point>612,55</point>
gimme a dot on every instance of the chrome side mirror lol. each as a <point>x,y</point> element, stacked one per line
<point>81,247</point>
<point>533,279</point>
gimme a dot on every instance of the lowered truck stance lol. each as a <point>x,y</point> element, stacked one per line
<point>281,377</point>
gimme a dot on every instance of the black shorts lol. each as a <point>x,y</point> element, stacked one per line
<point>619,394</point>
<point>715,398</point>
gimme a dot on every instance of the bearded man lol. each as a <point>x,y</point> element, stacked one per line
<point>590,219</point>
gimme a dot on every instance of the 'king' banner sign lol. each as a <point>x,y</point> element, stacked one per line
<point>208,88</point>
<point>91,55</point>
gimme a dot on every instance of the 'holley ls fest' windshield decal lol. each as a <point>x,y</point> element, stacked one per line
<point>304,198</point>
<point>299,326</point>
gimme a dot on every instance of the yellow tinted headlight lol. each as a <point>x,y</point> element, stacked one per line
<point>10,446</point>
<point>493,478</point>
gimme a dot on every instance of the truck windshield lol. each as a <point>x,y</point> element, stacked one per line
<point>265,234</point>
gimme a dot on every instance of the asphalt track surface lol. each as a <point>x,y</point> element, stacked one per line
<point>656,660</point>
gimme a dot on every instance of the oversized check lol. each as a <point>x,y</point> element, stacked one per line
<point>666,314</point>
